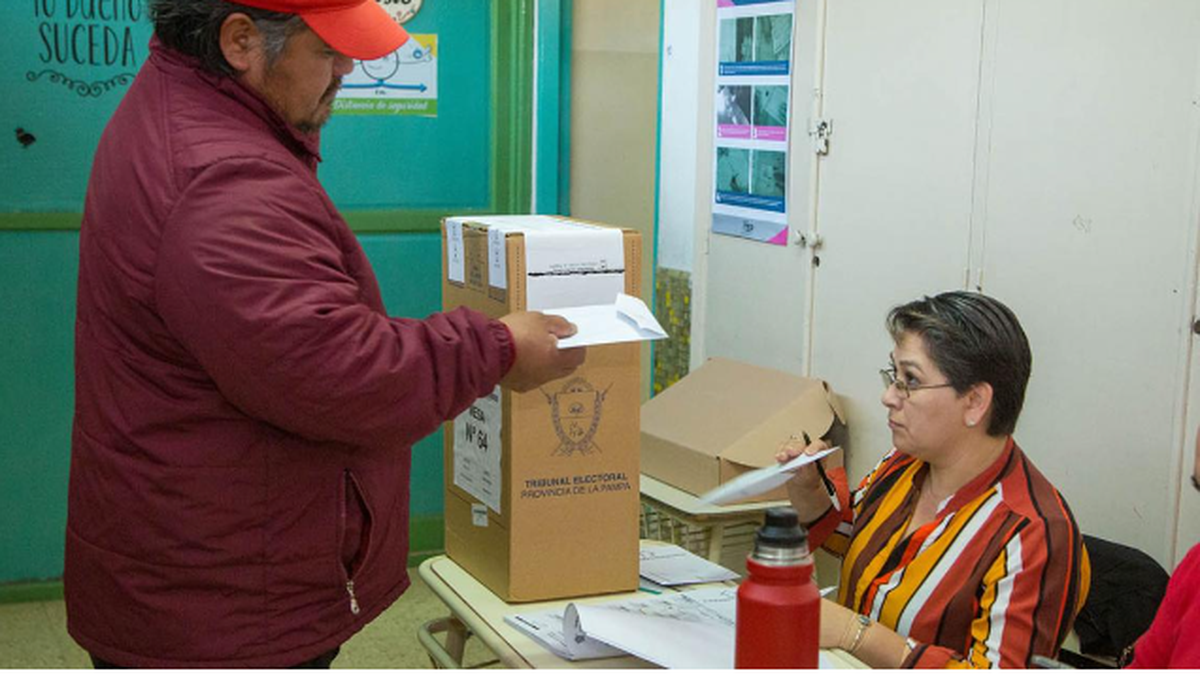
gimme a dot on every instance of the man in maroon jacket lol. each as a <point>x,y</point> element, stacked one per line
<point>245,408</point>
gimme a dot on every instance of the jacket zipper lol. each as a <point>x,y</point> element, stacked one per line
<point>354,608</point>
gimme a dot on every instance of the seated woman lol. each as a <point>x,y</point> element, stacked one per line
<point>956,550</point>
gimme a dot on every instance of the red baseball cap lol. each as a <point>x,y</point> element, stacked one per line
<point>360,29</point>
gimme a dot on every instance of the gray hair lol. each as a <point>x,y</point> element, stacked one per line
<point>193,27</point>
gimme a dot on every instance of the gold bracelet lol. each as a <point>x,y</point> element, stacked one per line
<point>864,622</point>
<point>844,640</point>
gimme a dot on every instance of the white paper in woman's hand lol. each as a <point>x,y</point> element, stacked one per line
<point>759,481</point>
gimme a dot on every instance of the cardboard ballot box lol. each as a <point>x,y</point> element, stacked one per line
<point>726,418</point>
<point>542,487</point>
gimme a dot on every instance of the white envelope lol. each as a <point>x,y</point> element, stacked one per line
<point>628,319</point>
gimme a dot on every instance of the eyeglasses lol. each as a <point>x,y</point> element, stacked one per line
<point>903,388</point>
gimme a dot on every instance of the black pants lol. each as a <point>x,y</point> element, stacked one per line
<point>322,661</point>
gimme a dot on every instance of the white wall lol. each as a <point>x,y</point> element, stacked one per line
<point>681,59</point>
<point>614,81</point>
<point>1088,231</point>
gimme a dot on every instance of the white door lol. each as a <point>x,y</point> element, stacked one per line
<point>1187,534</point>
<point>895,190</point>
<point>749,297</point>
<point>1089,133</point>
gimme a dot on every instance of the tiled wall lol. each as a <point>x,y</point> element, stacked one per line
<point>673,308</point>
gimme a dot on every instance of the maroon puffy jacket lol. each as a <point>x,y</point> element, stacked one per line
<point>244,407</point>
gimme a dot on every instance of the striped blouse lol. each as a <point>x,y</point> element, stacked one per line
<point>997,576</point>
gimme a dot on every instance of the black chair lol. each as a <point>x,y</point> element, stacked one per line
<point>1127,588</point>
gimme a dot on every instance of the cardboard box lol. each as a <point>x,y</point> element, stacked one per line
<point>555,513</point>
<point>726,418</point>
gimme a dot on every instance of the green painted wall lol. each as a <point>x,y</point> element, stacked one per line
<point>394,177</point>
<point>62,102</point>
<point>372,162</point>
<point>37,297</point>
<point>424,162</point>
<point>553,189</point>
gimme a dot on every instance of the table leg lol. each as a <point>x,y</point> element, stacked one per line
<point>456,639</point>
<point>716,538</point>
<point>449,655</point>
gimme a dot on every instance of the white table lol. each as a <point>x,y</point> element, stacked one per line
<point>476,612</point>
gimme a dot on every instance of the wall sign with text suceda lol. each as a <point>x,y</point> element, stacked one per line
<point>89,46</point>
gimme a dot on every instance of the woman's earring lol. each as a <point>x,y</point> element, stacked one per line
<point>970,423</point>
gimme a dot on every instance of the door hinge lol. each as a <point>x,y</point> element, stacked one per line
<point>819,130</point>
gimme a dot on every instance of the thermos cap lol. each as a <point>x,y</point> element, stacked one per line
<point>781,528</point>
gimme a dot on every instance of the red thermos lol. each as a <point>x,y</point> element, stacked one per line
<point>778,605</point>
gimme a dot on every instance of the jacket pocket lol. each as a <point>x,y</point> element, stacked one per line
<point>356,525</point>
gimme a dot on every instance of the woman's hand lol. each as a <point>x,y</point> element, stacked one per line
<point>806,490</point>
<point>806,476</point>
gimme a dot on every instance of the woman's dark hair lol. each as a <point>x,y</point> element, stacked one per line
<point>972,338</point>
<point>193,27</point>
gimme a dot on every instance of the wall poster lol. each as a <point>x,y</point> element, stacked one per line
<point>752,118</point>
<point>401,83</point>
<point>89,47</point>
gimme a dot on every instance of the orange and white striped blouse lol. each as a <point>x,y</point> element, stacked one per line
<point>996,577</point>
